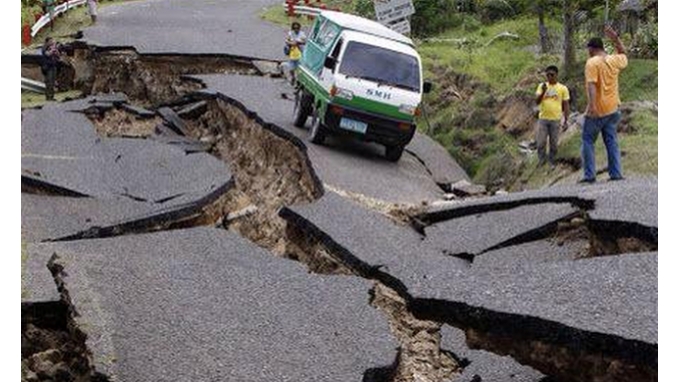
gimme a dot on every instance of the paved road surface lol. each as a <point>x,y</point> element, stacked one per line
<point>205,304</point>
<point>345,164</point>
<point>200,304</point>
<point>190,27</point>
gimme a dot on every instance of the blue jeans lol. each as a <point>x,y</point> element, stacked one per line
<point>591,129</point>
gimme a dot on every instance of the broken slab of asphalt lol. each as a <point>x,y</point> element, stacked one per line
<point>472,235</point>
<point>634,200</point>
<point>45,217</point>
<point>430,153</point>
<point>579,308</point>
<point>344,164</point>
<point>539,251</point>
<point>371,244</point>
<point>592,319</point>
<point>61,148</point>
<point>37,282</point>
<point>204,304</point>
<point>53,218</point>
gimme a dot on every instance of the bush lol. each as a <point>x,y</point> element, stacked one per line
<point>432,16</point>
<point>646,41</point>
<point>363,8</point>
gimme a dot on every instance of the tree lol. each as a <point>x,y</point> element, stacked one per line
<point>569,56</point>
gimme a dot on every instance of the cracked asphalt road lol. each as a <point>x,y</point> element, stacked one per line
<point>197,304</point>
<point>349,165</point>
<point>189,27</point>
<point>205,304</point>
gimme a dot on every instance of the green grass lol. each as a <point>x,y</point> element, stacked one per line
<point>640,81</point>
<point>508,67</point>
<point>639,152</point>
<point>28,14</point>
<point>30,99</point>
<point>276,15</point>
<point>66,24</point>
<point>501,63</point>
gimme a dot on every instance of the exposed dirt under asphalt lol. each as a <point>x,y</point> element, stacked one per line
<point>270,170</point>
<point>120,123</point>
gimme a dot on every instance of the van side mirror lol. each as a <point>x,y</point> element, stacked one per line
<point>427,87</point>
<point>330,63</point>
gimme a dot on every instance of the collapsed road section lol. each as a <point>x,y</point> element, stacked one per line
<point>270,170</point>
<point>567,317</point>
<point>148,79</point>
<point>205,159</point>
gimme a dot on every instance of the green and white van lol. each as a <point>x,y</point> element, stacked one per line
<point>359,78</point>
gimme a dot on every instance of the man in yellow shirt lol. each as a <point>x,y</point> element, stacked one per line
<point>553,100</point>
<point>602,113</point>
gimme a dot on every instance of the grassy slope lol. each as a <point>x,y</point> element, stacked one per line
<point>465,49</point>
<point>503,67</point>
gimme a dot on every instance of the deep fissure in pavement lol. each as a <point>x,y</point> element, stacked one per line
<point>149,79</point>
<point>420,356</point>
<point>53,348</point>
<point>605,238</point>
<point>269,171</point>
<point>563,353</point>
<point>123,124</point>
<point>612,238</point>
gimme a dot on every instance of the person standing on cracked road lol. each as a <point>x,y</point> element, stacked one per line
<point>295,43</point>
<point>92,10</point>
<point>602,113</point>
<point>51,58</point>
<point>552,98</point>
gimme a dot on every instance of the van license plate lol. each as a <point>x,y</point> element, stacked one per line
<point>352,125</point>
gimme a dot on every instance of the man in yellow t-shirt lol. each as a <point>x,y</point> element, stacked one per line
<point>602,113</point>
<point>553,100</point>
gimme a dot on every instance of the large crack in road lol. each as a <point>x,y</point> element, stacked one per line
<point>270,170</point>
<point>272,175</point>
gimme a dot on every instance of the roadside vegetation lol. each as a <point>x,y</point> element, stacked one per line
<point>486,59</point>
<point>482,106</point>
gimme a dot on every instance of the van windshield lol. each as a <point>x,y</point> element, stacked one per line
<point>381,65</point>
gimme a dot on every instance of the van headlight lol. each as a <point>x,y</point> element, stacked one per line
<point>409,109</point>
<point>341,93</point>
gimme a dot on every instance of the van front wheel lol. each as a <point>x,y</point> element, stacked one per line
<point>316,133</point>
<point>393,153</point>
<point>303,108</point>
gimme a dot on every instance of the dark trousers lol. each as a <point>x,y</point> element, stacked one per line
<point>547,129</point>
<point>50,80</point>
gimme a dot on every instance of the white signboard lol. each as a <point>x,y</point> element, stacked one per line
<point>392,10</point>
<point>401,26</point>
